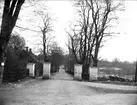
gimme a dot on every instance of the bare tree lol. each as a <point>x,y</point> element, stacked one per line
<point>73,44</point>
<point>56,56</point>
<point>41,23</point>
<point>102,15</point>
<point>82,38</point>
<point>45,29</point>
<point>95,20</point>
<point>11,10</point>
<point>10,15</point>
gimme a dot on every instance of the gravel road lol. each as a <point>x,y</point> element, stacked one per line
<point>61,89</point>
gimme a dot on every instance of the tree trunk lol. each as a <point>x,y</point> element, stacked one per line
<point>85,71</point>
<point>95,62</point>
<point>10,14</point>
<point>44,49</point>
<point>95,57</point>
<point>3,44</point>
<point>44,53</point>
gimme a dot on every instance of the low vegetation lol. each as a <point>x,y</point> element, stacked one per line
<point>124,69</point>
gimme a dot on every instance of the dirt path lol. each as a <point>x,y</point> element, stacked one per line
<point>61,89</point>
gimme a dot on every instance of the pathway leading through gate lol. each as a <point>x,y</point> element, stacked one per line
<point>62,75</point>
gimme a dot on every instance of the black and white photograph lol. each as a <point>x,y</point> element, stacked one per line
<point>68,52</point>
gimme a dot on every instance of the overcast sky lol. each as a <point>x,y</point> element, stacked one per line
<point>123,46</point>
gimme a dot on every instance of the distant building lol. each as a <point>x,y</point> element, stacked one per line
<point>27,55</point>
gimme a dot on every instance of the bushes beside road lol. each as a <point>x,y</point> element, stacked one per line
<point>117,80</point>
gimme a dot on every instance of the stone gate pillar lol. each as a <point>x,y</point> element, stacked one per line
<point>46,70</point>
<point>78,72</point>
<point>93,73</point>
<point>31,67</point>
